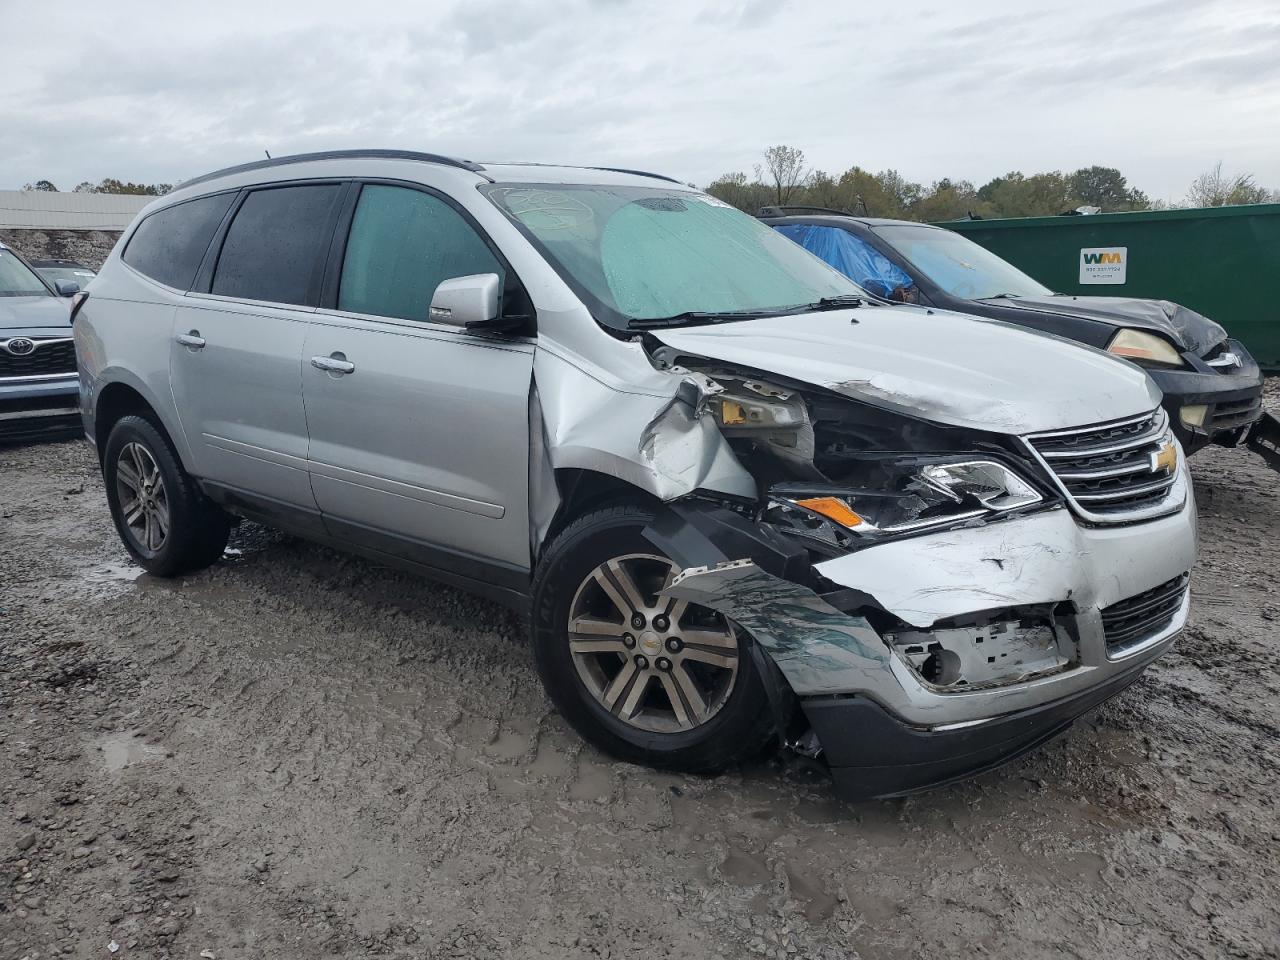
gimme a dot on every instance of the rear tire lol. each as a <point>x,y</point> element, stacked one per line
<point>701,705</point>
<point>166,523</point>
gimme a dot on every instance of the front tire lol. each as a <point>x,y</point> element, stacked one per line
<point>646,679</point>
<point>166,523</point>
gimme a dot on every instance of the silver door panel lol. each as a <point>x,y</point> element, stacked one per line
<point>426,438</point>
<point>240,396</point>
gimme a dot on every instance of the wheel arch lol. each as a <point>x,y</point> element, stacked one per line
<point>581,491</point>
<point>128,396</point>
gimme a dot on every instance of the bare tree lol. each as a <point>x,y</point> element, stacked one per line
<point>1215,189</point>
<point>785,168</point>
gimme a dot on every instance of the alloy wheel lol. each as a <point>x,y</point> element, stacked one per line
<point>144,502</point>
<point>656,663</point>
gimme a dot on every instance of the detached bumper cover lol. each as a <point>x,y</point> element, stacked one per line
<point>872,710</point>
<point>1264,439</point>
<point>873,755</point>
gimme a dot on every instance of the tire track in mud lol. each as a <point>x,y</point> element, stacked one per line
<point>305,754</point>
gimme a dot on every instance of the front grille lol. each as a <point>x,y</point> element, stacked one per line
<point>1110,471</point>
<point>1232,414</point>
<point>51,356</point>
<point>1128,623</point>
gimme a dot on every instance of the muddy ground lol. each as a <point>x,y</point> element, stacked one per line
<point>297,754</point>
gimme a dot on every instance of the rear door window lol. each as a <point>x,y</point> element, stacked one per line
<point>169,245</point>
<point>276,244</point>
<point>403,244</point>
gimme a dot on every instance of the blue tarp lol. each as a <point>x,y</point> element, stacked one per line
<point>857,260</point>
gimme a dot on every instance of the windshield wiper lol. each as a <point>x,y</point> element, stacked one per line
<point>699,316</point>
<point>1003,296</point>
<point>725,316</point>
<point>845,301</point>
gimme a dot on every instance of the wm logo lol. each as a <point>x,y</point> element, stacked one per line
<point>1102,258</point>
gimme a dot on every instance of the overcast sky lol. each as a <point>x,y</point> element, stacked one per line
<point>163,91</point>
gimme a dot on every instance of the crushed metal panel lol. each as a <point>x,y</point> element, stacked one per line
<point>1007,563</point>
<point>1003,650</point>
<point>544,495</point>
<point>818,649</point>
<point>667,445</point>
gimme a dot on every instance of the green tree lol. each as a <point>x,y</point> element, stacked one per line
<point>950,199</point>
<point>736,190</point>
<point>784,169</point>
<point>1215,189</point>
<point>1105,187</point>
<point>111,185</point>
<point>884,194</point>
<point>823,190</point>
<point>43,186</point>
<point>1016,195</point>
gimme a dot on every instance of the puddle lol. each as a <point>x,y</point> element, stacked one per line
<point>593,782</point>
<point>126,749</point>
<point>114,573</point>
<point>508,746</point>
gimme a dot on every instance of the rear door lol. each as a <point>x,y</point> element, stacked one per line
<point>421,449</point>
<point>236,361</point>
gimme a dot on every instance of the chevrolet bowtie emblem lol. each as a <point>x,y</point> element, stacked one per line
<point>1165,458</point>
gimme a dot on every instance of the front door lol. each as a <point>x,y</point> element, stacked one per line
<point>419,430</point>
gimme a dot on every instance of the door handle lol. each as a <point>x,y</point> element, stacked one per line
<point>192,340</point>
<point>334,363</point>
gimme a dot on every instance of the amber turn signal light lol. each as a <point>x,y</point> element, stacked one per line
<point>832,508</point>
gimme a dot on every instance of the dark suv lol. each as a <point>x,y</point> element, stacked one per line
<point>1212,386</point>
<point>38,386</point>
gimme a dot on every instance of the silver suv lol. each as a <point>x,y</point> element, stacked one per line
<point>743,501</point>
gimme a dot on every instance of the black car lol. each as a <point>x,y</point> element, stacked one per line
<point>1212,386</point>
<point>69,271</point>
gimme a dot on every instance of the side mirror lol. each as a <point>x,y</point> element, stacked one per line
<point>66,288</point>
<point>467,301</point>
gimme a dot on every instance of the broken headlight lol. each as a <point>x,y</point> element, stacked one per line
<point>898,497</point>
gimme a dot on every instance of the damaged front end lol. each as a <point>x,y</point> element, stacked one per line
<point>922,591</point>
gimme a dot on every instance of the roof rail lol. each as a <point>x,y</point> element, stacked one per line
<point>638,173</point>
<point>336,155</point>
<point>786,210</point>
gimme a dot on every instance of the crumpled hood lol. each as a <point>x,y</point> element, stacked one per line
<point>18,313</point>
<point>941,366</point>
<point>1188,329</point>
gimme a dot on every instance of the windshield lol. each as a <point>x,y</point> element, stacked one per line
<point>16,280</point>
<point>80,275</point>
<point>645,253</point>
<point>958,265</point>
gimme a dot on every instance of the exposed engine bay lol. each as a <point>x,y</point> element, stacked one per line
<point>835,476</point>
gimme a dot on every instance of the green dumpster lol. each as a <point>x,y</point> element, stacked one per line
<point>1223,262</point>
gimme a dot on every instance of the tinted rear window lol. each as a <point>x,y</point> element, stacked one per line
<point>169,245</point>
<point>276,243</point>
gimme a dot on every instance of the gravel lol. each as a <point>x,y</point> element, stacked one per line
<point>298,753</point>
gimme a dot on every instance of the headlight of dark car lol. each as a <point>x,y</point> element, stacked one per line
<point>1145,349</point>
<point>897,497</point>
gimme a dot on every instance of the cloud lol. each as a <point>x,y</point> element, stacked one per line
<point>691,90</point>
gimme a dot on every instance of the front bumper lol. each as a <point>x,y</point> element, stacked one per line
<point>39,408</point>
<point>1233,398</point>
<point>874,755</point>
<point>860,694</point>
